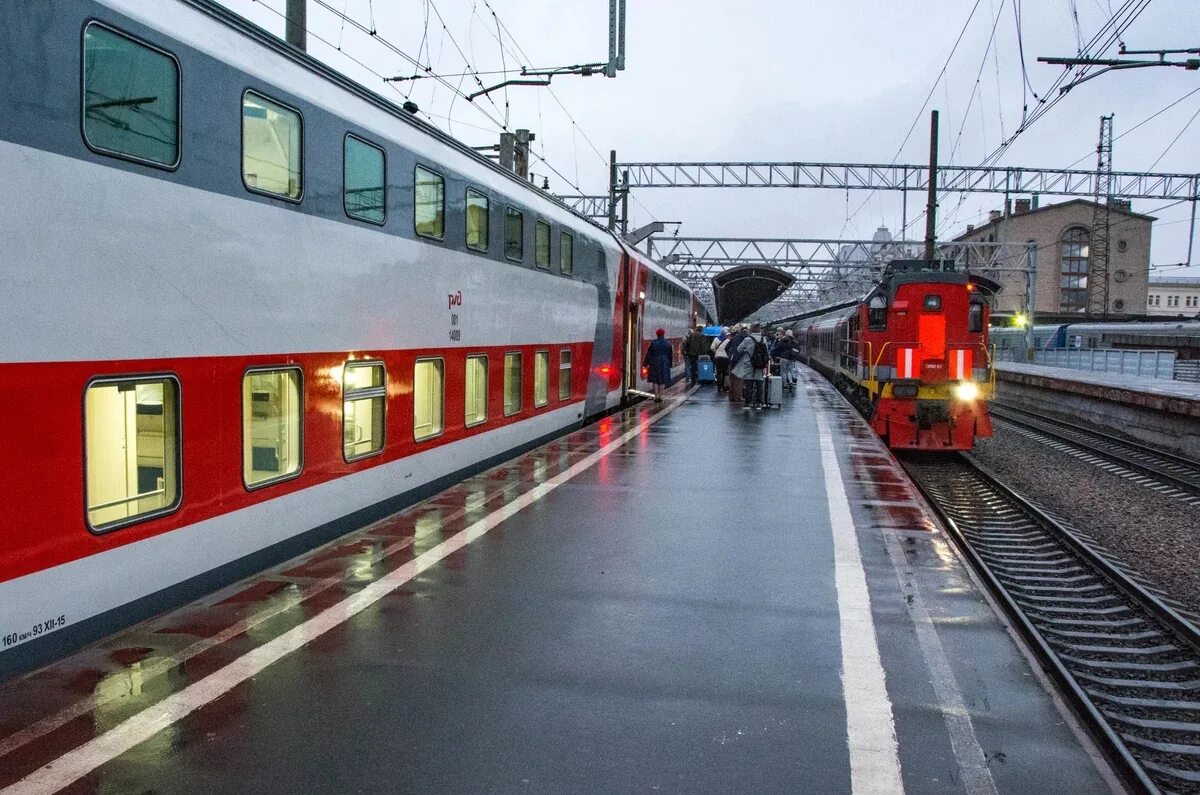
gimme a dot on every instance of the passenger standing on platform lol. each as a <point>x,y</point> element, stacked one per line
<point>735,383</point>
<point>659,358</point>
<point>788,354</point>
<point>751,367</point>
<point>720,357</point>
<point>695,346</point>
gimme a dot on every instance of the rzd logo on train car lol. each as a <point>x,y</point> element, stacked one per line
<point>452,300</point>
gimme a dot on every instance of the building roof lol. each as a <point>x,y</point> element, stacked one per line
<point>1175,281</point>
<point>1048,207</point>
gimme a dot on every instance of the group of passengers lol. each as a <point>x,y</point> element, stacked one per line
<point>741,357</point>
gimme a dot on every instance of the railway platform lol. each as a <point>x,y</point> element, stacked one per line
<point>684,597</point>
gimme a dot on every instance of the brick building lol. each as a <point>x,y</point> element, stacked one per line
<point>1062,233</point>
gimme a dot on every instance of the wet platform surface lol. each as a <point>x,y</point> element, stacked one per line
<point>654,614</point>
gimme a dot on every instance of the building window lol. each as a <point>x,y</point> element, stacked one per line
<point>564,374</point>
<point>566,253</point>
<point>512,383</point>
<point>429,204</point>
<point>1153,300</point>
<point>541,245</point>
<point>271,147</point>
<point>131,450</point>
<point>272,440</point>
<point>541,378</point>
<point>1074,252</point>
<point>363,180</point>
<point>428,386</point>
<point>514,234</point>
<point>364,396</point>
<point>477,220</point>
<point>476,390</point>
<point>130,98</point>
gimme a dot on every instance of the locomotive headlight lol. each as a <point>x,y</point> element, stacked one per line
<point>966,391</point>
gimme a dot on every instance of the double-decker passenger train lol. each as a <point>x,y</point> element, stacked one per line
<point>912,355</point>
<point>249,305</point>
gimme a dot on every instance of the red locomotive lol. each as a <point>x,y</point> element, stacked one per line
<point>912,355</point>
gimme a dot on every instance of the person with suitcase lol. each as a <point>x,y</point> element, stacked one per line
<point>751,367</point>
<point>788,353</point>
<point>695,345</point>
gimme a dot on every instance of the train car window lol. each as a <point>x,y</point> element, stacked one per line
<point>476,390</point>
<point>933,303</point>
<point>428,394</point>
<point>564,374</point>
<point>541,378</point>
<point>131,450</point>
<point>271,147</point>
<point>272,429</point>
<point>541,245</point>
<point>877,313</point>
<point>512,383</point>
<point>566,253</point>
<point>477,220</point>
<point>364,180</point>
<point>975,317</point>
<point>364,403</point>
<point>130,98</point>
<point>514,234</point>
<point>429,204</point>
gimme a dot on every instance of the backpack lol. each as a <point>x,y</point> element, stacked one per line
<point>760,357</point>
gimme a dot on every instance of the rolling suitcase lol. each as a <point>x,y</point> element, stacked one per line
<point>773,391</point>
<point>706,373</point>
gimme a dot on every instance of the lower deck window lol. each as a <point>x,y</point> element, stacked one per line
<point>512,383</point>
<point>272,407</point>
<point>364,395</point>
<point>476,390</point>
<point>564,374</point>
<point>541,378</point>
<point>427,398</point>
<point>131,455</point>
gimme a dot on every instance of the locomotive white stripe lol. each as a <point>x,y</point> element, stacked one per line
<point>75,764</point>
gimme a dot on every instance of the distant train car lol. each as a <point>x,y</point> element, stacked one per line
<point>912,355</point>
<point>1181,336</point>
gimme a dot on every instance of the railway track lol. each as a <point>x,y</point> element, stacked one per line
<point>1171,475</point>
<point>1128,662</point>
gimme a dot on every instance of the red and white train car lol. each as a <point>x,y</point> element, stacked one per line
<point>250,305</point>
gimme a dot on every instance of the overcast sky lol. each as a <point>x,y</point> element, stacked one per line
<point>829,80</point>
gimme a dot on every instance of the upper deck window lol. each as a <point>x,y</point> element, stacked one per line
<point>271,141</point>
<point>477,220</point>
<point>514,234</point>
<point>429,202</point>
<point>541,245</point>
<point>566,253</point>
<point>130,98</point>
<point>364,178</point>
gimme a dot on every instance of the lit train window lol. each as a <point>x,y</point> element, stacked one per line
<point>271,153</point>
<point>272,435</point>
<point>364,181</point>
<point>130,98</point>
<point>429,203</point>
<point>541,245</point>
<point>364,396</point>
<point>477,220</point>
<point>564,374</point>
<point>428,385</point>
<point>541,378</point>
<point>566,253</point>
<point>514,234</point>
<point>476,390</point>
<point>512,383</point>
<point>131,452</point>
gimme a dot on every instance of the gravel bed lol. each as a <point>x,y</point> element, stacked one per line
<point>1157,536</point>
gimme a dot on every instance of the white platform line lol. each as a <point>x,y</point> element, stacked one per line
<point>870,728</point>
<point>81,761</point>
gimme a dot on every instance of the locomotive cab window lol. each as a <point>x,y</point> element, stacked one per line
<point>541,245</point>
<point>541,378</point>
<point>364,397</point>
<point>933,303</point>
<point>476,390</point>
<point>512,383</point>
<point>428,386</point>
<point>477,220</point>
<point>975,317</point>
<point>271,147</point>
<point>364,180</point>
<point>272,440</point>
<point>130,98</point>
<point>131,450</point>
<point>514,234</point>
<point>429,204</point>
<point>877,313</point>
<point>566,254</point>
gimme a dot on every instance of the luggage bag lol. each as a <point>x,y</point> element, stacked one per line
<point>773,391</point>
<point>706,373</point>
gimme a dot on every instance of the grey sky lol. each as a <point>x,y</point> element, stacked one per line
<point>774,80</point>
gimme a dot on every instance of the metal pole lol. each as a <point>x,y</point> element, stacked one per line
<point>1030,296</point>
<point>904,211</point>
<point>612,189</point>
<point>931,206</point>
<point>296,27</point>
<point>1192,228</point>
<point>621,39</point>
<point>610,70</point>
<point>624,202</point>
